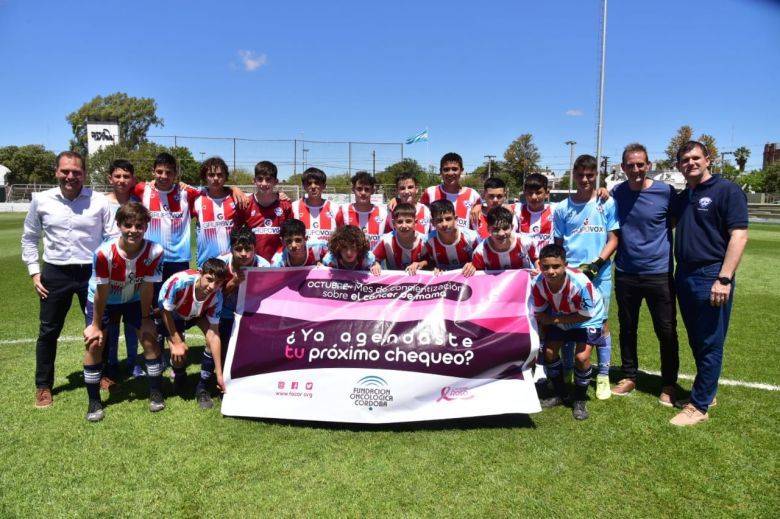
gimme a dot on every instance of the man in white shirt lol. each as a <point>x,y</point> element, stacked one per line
<point>73,221</point>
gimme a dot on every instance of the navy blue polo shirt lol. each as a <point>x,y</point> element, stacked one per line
<point>645,245</point>
<point>705,215</point>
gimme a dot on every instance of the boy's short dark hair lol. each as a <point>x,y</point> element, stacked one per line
<point>451,157</point>
<point>406,175</point>
<point>363,177</point>
<point>215,267</point>
<point>212,163</point>
<point>404,209</point>
<point>292,227</point>
<point>499,217</point>
<point>535,182</point>
<point>690,146</point>
<point>166,159</point>
<point>121,164</point>
<point>132,212</point>
<point>349,236</point>
<point>315,174</point>
<point>441,207</point>
<point>242,235</point>
<point>585,163</point>
<point>553,250</point>
<point>266,168</point>
<point>494,183</point>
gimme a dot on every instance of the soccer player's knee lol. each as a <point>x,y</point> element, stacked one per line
<point>582,358</point>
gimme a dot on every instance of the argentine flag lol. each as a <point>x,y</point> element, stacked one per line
<point>420,137</point>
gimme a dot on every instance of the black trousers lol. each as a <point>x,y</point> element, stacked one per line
<point>658,290</point>
<point>62,282</point>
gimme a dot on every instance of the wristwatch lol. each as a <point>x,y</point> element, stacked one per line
<point>724,280</point>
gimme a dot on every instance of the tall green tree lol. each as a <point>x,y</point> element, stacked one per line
<point>30,164</point>
<point>522,157</point>
<point>741,155</point>
<point>683,135</point>
<point>392,171</point>
<point>135,116</point>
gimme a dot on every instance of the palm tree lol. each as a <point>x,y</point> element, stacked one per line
<point>741,155</point>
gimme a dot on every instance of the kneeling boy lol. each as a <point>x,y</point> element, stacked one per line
<point>571,310</point>
<point>297,251</point>
<point>403,248</point>
<point>450,247</point>
<point>190,298</point>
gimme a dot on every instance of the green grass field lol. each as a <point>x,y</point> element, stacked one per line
<point>625,461</point>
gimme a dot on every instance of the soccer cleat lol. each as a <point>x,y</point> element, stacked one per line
<point>624,387</point>
<point>689,416</point>
<point>95,411</point>
<point>43,398</point>
<point>602,387</point>
<point>156,401</point>
<point>578,410</point>
<point>204,399</point>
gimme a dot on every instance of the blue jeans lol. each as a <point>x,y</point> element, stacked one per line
<point>706,326</point>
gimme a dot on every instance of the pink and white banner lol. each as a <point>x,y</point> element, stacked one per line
<point>339,346</point>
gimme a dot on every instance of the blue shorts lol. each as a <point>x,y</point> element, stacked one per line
<point>181,324</point>
<point>129,312</point>
<point>592,336</point>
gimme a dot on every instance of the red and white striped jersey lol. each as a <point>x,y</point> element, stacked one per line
<point>171,214</point>
<point>214,223</point>
<point>486,258</point>
<point>372,223</point>
<point>397,257</point>
<point>482,226</point>
<point>177,296</point>
<point>266,224</point>
<point>454,256</point>
<point>124,275</point>
<point>320,221</point>
<point>535,228</point>
<point>422,220</point>
<point>463,201</point>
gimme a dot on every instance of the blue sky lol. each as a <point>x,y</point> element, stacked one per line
<point>478,74</point>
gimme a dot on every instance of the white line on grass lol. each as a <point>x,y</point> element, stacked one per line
<point>726,382</point>
<point>723,381</point>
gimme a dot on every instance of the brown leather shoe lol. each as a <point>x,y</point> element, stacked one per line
<point>107,384</point>
<point>625,387</point>
<point>689,416</point>
<point>43,398</point>
<point>668,396</point>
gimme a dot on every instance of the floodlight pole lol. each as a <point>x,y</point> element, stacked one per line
<point>490,164</point>
<point>600,127</point>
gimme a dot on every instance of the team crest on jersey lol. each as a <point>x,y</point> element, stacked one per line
<point>278,211</point>
<point>268,222</point>
<point>704,202</point>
